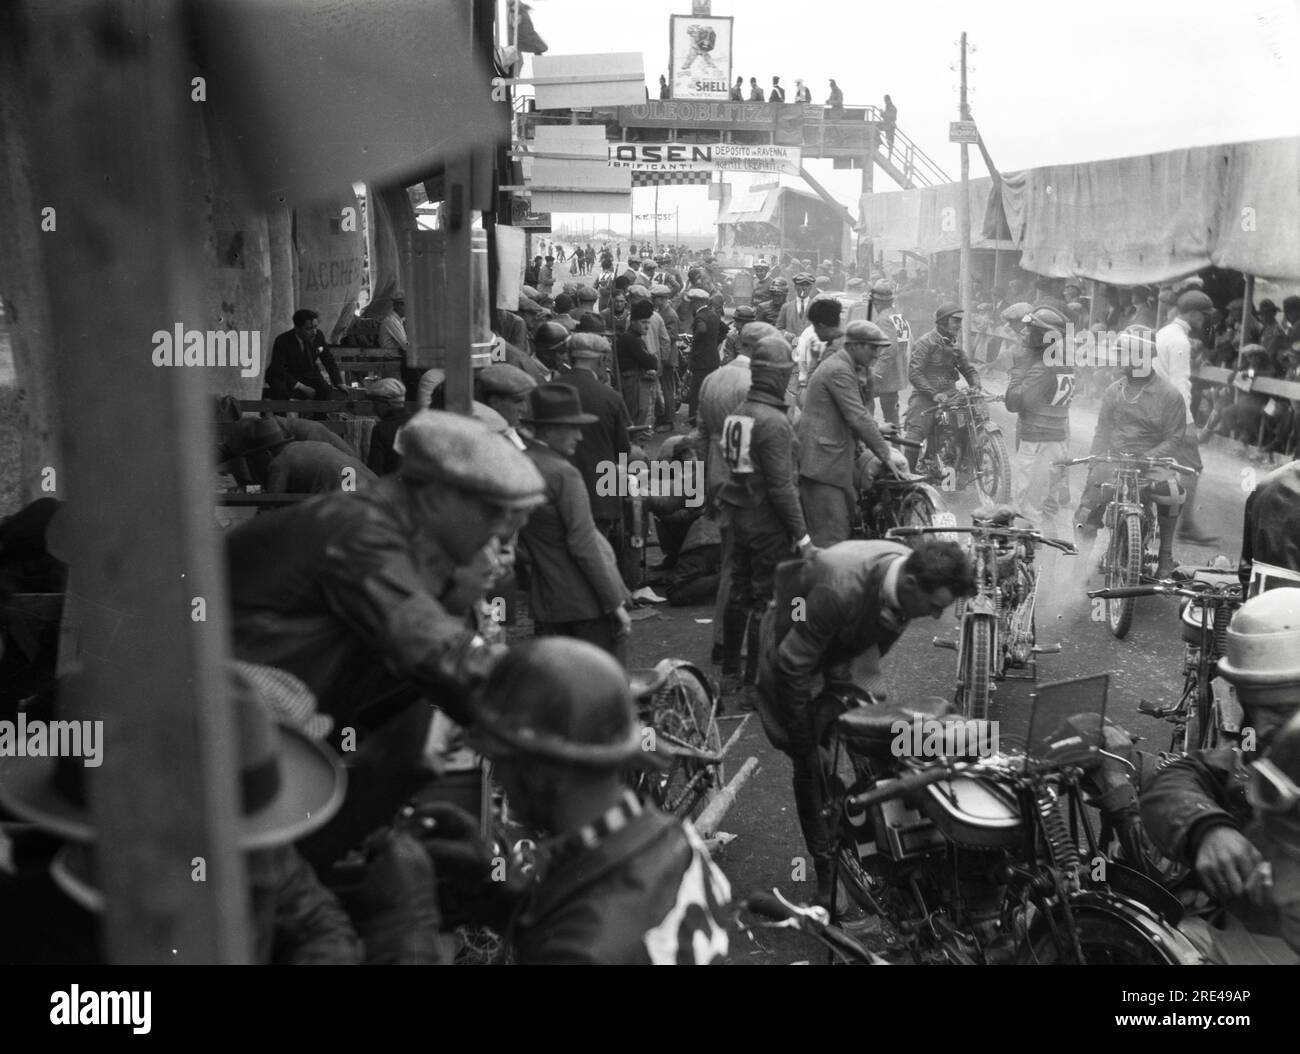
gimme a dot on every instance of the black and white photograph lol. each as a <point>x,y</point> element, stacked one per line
<point>700,482</point>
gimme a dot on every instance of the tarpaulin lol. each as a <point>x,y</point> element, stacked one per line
<point>1259,210</point>
<point>328,240</point>
<point>926,220</point>
<point>1158,217</point>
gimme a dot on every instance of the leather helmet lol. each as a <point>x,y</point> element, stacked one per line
<point>1262,648</point>
<point>771,353</point>
<point>947,311</point>
<point>561,700</point>
<point>882,290</point>
<point>1046,317</point>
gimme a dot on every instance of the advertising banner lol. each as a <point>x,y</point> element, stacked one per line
<point>704,157</point>
<point>699,51</point>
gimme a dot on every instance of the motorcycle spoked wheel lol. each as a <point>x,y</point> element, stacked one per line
<point>915,509</point>
<point>685,710</point>
<point>1109,935</point>
<point>977,675</point>
<point>1125,570</point>
<point>992,470</point>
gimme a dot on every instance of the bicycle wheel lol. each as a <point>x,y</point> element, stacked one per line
<point>685,712</point>
<point>915,509</point>
<point>992,470</point>
<point>977,674</point>
<point>1125,570</point>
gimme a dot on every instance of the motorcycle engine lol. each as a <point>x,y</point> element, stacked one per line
<point>979,893</point>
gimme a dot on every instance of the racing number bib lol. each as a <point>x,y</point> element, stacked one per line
<point>903,330</point>
<point>737,434</point>
<point>1064,389</point>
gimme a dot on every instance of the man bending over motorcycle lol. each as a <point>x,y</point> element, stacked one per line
<point>1141,415</point>
<point>932,370</point>
<point>1198,809</point>
<point>836,614</point>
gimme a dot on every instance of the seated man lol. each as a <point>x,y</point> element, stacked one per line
<point>690,539</point>
<point>1197,809</point>
<point>858,598</point>
<point>297,356</point>
<point>625,883</point>
<point>1142,415</point>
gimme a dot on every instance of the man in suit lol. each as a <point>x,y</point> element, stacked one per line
<point>296,358</point>
<point>575,589</point>
<point>605,438</point>
<point>835,416</point>
<point>793,317</point>
<point>889,374</point>
<point>858,599</point>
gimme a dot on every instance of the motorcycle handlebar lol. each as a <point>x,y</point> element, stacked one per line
<point>765,904</point>
<point>1124,592</point>
<point>1205,593</point>
<point>905,785</point>
<point>1110,459</point>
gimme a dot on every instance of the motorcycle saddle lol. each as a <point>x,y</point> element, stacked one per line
<point>869,726</point>
<point>994,516</point>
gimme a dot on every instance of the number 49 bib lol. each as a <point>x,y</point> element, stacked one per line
<point>737,433</point>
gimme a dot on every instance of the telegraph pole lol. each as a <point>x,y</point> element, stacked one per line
<point>965,214</point>
<point>656,216</point>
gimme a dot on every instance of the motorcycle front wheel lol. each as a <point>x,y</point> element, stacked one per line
<point>977,672</point>
<point>992,470</point>
<point>915,509</point>
<point>1110,934</point>
<point>1125,570</point>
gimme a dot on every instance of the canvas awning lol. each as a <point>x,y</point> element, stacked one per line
<point>926,220</point>
<point>1158,217</point>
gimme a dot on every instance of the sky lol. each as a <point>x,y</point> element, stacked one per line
<point>1049,84</point>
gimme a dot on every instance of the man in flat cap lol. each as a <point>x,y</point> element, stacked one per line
<point>706,325</point>
<point>389,397</point>
<point>505,389</point>
<point>669,356</point>
<point>575,589</point>
<point>607,437</point>
<point>372,598</point>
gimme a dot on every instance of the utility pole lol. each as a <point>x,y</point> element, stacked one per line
<point>965,214</point>
<point>656,215</point>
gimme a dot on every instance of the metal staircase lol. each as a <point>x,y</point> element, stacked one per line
<point>907,165</point>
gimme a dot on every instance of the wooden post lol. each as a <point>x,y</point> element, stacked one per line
<point>111,128</point>
<point>459,333</point>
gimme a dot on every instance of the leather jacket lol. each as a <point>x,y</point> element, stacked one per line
<point>1271,533</point>
<point>758,443</point>
<point>935,364</point>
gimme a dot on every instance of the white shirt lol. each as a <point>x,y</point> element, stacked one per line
<point>806,350</point>
<point>1174,359</point>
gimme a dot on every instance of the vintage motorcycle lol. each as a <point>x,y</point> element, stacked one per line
<point>988,856</point>
<point>967,446</point>
<point>885,501</point>
<point>997,635</point>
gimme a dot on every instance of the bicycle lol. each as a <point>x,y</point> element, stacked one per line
<point>1133,548</point>
<point>997,632</point>
<point>1198,716</point>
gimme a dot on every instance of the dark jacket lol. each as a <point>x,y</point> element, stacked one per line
<point>349,593</point>
<point>844,617</point>
<point>602,440</point>
<point>889,371</point>
<point>646,894</point>
<point>758,445</point>
<point>935,364</point>
<point>572,571</point>
<point>1041,395</point>
<point>381,458</point>
<point>834,416</point>
<point>1151,426</point>
<point>315,468</point>
<point>291,363</point>
<point>706,330</point>
<point>308,430</point>
<point>1271,532</point>
<point>1189,797</point>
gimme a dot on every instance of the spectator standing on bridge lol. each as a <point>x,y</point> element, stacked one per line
<point>296,360</point>
<point>755,92</point>
<point>778,93</point>
<point>801,92</point>
<point>835,100</point>
<point>738,90</point>
<point>665,92</point>
<point>890,123</point>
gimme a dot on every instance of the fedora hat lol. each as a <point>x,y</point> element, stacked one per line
<point>257,434</point>
<point>289,783</point>
<point>557,404</point>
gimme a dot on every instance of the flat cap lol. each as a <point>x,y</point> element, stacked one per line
<point>442,447</point>
<point>804,278</point>
<point>529,306</point>
<point>530,291</point>
<point>500,378</point>
<point>638,290</point>
<point>587,295</point>
<point>1195,300</point>
<point>659,289</point>
<point>484,413</point>
<point>390,389</point>
<point>745,312</point>
<point>697,294</point>
<point>588,346</point>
